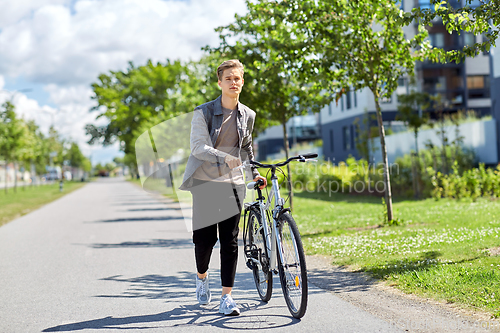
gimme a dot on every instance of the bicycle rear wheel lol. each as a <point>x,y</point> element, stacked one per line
<point>257,250</point>
<point>292,266</point>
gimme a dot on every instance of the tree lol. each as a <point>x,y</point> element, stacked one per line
<point>55,147</point>
<point>151,93</point>
<point>74,156</point>
<point>272,48</point>
<point>408,111</point>
<point>36,150</point>
<point>361,44</point>
<point>364,138</point>
<point>12,136</point>
<point>482,19</point>
<point>440,104</point>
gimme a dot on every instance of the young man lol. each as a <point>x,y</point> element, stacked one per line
<point>221,137</point>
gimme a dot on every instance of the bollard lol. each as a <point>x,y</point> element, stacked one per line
<point>61,186</point>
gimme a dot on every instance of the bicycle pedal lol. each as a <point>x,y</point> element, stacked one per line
<point>275,271</point>
<point>250,264</point>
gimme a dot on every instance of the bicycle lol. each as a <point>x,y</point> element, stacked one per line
<point>271,240</point>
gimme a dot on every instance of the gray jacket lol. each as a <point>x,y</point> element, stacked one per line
<point>205,128</point>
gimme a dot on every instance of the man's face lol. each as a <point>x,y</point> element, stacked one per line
<point>232,82</point>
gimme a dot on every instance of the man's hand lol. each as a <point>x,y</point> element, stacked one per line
<point>264,179</point>
<point>232,162</point>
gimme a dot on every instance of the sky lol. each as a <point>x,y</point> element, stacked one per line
<point>51,51</point>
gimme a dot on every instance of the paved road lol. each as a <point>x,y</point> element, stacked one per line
<point>112,257</point>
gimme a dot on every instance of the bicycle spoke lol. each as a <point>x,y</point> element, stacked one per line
<point>259,257</point>
<point>292,268</point>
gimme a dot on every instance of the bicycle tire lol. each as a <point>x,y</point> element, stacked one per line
<point>292,266</point>
<point>262,275</point>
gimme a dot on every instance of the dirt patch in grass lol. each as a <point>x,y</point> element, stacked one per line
<point>367,227</point>
<point>495,251</point>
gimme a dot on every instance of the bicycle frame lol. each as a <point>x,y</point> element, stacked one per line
<point>272,237</point>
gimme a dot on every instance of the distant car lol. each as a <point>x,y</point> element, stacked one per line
<point>67,175</point>
<point>52,176</point>
<point>103,173</point>
<point>53,173</point>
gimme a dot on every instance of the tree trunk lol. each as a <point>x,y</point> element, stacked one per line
<point>383,148</point>
<point>15,177</point>
<point>287,148</point>
<point>443,141</point>
<point>416,142</point>
<point>417,166</point>
<point>6,175</point>
<point>414,172</point>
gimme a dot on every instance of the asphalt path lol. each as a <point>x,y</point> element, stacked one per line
<point>112,257</point>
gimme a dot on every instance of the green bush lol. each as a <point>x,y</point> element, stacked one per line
<point>473,183</point>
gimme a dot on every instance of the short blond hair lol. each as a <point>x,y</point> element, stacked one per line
<point>233,63</point>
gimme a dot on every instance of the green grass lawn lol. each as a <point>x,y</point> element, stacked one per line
<point>15,204</point>
<point>442,251</point>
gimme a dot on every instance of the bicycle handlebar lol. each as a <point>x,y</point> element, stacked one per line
<point>300,158</point>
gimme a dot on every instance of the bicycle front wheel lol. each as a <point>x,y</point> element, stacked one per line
<point>292,266</point>
<point>261,273</point>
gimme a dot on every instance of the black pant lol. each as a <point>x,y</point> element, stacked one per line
<point>204,240</point>
<point>206,202</point>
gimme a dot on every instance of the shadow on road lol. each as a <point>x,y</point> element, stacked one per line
<point>180,289</point>
<point>166,243</point>
<point>155,202</point>
<point>155,286</point>
<point>339,281</point>
<point>151,209</point>
<point>141,219</point>
<point>187,315</point>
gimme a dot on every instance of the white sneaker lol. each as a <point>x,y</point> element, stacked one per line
<point>228,306</point>
<point>203,290</point>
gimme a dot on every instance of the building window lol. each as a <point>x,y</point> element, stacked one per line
<point>331,140</point>
<point>355,99</point>
<point>435,83</point>
<point>475,82</point>
<point>437,39</point>
<point>348,100</point>
<point>330,109</point>
<point>426,4</point>
<point>469,39</point>
<point>346,134</point>
<point>475,3</point>
<point>342,103</point>
<point>478,86</point>
<point>385,100</point>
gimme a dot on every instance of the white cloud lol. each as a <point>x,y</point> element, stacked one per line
<point>13,11</point>
<point>69,118</point>
<point>55,46</point>
<point>66,44</point>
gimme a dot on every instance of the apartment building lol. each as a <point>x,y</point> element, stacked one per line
<point>464,86</point>
<point>468,85</point>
